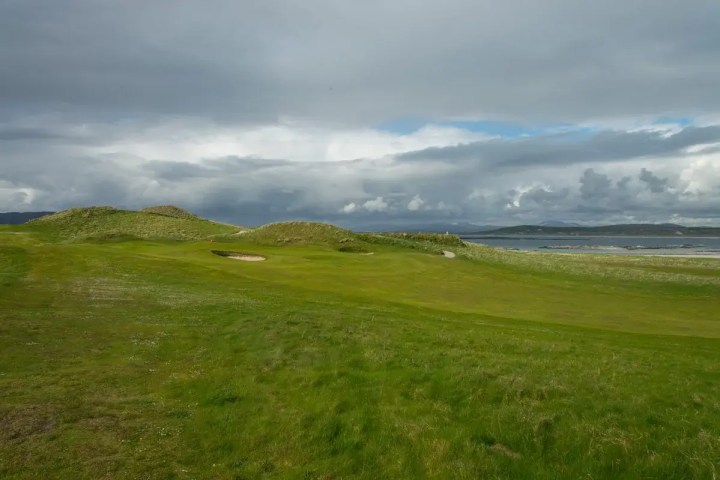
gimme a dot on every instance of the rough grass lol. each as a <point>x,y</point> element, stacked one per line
<point>107,223</point>
<point>323,234</point>
<point>447,240</point>
<point>299,233</point>
<point>170,211</point>
<point>426,242</point>
<point>151,360</point>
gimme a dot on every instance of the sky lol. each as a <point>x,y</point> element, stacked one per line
<point>365,113</point>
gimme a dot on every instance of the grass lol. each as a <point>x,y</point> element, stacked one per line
<point>158,359</point>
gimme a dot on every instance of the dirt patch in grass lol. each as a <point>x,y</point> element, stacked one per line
<point>244,257</point>
<point>18,424</point>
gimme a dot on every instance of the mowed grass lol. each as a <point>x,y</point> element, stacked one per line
<point>162,360</point>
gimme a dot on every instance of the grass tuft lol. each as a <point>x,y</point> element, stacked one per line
<point>170,211</point>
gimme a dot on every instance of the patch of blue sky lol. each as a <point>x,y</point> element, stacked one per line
<point>681,121</point>
<point>500,129</point>
<point>407,126</point>
<point>403,126</point>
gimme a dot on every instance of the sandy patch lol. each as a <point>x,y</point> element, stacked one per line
<point>448,254</point>
<point>247,258</point>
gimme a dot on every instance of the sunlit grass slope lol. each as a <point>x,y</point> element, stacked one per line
<point>161,360</point>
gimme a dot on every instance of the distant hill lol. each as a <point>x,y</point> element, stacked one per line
<point>455,228</point>
<point>555,223</point>
<point>640,229</point>
<point>108,223</point>
<point>16,218</point>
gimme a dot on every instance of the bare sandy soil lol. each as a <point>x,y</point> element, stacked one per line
<point>247,258</point>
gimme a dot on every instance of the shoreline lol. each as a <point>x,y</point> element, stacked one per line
<point>681,255</point>
<point>715,256</point>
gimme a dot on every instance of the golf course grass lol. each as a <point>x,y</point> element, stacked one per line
<point>129,355</point>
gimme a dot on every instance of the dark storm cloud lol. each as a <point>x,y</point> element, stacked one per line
<point>112,59</point>
<point>173,171</point>
<point>20,133</point>
<point>546,198</point>
<point>361,62</point>
<point>210,168</point>
<point>571,148</point>
<point>654,183</point>
<point>594,186</point>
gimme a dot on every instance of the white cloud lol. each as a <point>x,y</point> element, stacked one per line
<point>190,141</point>
<point>377,205</point>
<point>349,208</point>
<point>415,204</point>
<point>702,174</point>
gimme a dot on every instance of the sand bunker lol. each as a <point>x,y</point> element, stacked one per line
<point>247,258</point>
<point>448,254</point>
<point>244,257</point>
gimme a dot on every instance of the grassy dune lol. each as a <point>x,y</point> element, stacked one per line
<point>161,360</point>
<point>107,223</point>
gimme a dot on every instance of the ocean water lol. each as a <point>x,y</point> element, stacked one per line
<point>677,245</point>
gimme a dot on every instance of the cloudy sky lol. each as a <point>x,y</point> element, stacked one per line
<point>365,113</point>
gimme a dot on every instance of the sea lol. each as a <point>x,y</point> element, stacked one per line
<point>619,245</point>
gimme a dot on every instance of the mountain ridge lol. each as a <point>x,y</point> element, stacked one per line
<point>18,218</point>
<point>627,229</point>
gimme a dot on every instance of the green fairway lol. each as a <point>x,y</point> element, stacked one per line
<point>356,357</point>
